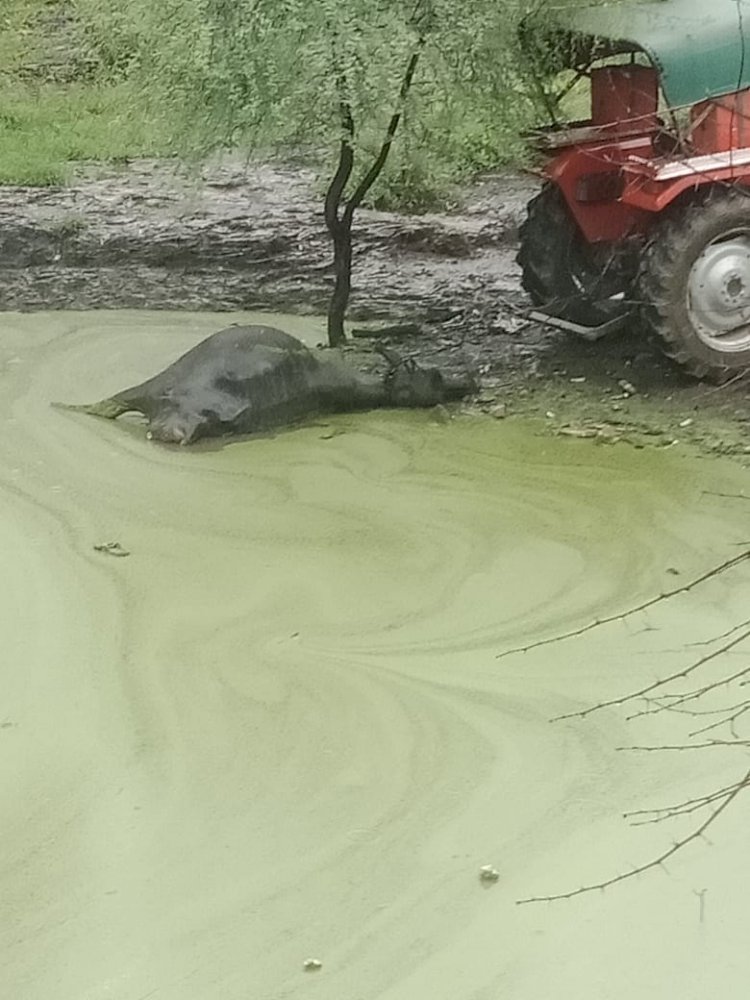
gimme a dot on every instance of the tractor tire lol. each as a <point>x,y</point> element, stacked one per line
<point>695,284</point>
<point>559,268</point>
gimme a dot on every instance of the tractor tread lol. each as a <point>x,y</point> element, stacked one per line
<point>555,271</point>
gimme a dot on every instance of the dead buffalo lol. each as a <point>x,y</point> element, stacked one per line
<point>255,378</point>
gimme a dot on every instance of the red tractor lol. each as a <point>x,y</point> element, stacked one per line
<point>645,210</point>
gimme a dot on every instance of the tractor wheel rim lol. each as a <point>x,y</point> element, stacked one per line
<point>718,293</point>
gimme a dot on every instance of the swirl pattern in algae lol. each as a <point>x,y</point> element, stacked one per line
<point>279,729</point>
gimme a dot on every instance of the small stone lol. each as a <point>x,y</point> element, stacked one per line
<point>549,415</point>
<point>489,874</point>
<point>499,411</point>
<point>578,380</point>
<point>627,387</point>
<point>313,965</point>
<point>687,422</point>
<point>440,414</point>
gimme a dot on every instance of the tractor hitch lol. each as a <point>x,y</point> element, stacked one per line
<point>590,333</point>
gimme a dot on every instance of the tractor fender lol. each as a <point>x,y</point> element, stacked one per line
<point>592,181</point>
<point>650,188</point>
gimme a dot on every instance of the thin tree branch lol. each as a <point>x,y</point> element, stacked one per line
<point>622,615</point>
<point>683,699</point>
<point>688,746</point>
<point>737,712</point>
<point>716,638</point>
<point>729,795</point>
<point>678,675</point>
<point>374,172</point>
<point>682,808</point>
<point>340,179</point>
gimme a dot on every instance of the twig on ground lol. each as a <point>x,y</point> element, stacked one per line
<point>725,385</point>
<point>726,496</point>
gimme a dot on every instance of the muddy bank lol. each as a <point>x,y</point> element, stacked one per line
<point>236,237</point>
<point>252,237</point>
<point>278,730</point>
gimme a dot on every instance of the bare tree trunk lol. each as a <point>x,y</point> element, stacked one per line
<point>340,223</point>
<point>340,232</point>
<point>342,263</point>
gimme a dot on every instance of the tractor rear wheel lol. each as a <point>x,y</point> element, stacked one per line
<point>695,284</point>
<point>562,272</point>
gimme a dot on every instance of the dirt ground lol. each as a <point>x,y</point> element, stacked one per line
<point>239,237</point>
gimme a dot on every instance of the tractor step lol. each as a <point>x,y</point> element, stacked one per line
<point>586,332</point>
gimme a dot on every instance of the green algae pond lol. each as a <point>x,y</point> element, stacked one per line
<point>278,729</point>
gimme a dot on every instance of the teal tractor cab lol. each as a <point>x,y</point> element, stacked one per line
<point>644,214</point>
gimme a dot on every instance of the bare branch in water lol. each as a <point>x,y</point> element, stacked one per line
<point>644,606</point>
<point>660,684</point>
<point>725,797</point>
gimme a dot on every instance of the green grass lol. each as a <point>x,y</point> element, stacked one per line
<point>45,128</point>
<point>15,37</point>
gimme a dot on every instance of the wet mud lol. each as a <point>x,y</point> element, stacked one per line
<point>244,236</point>
<point>267,752</point>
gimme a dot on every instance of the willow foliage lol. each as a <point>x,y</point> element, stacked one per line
<point>267,74</point>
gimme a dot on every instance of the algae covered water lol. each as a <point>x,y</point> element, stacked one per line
<point>278,729</point>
